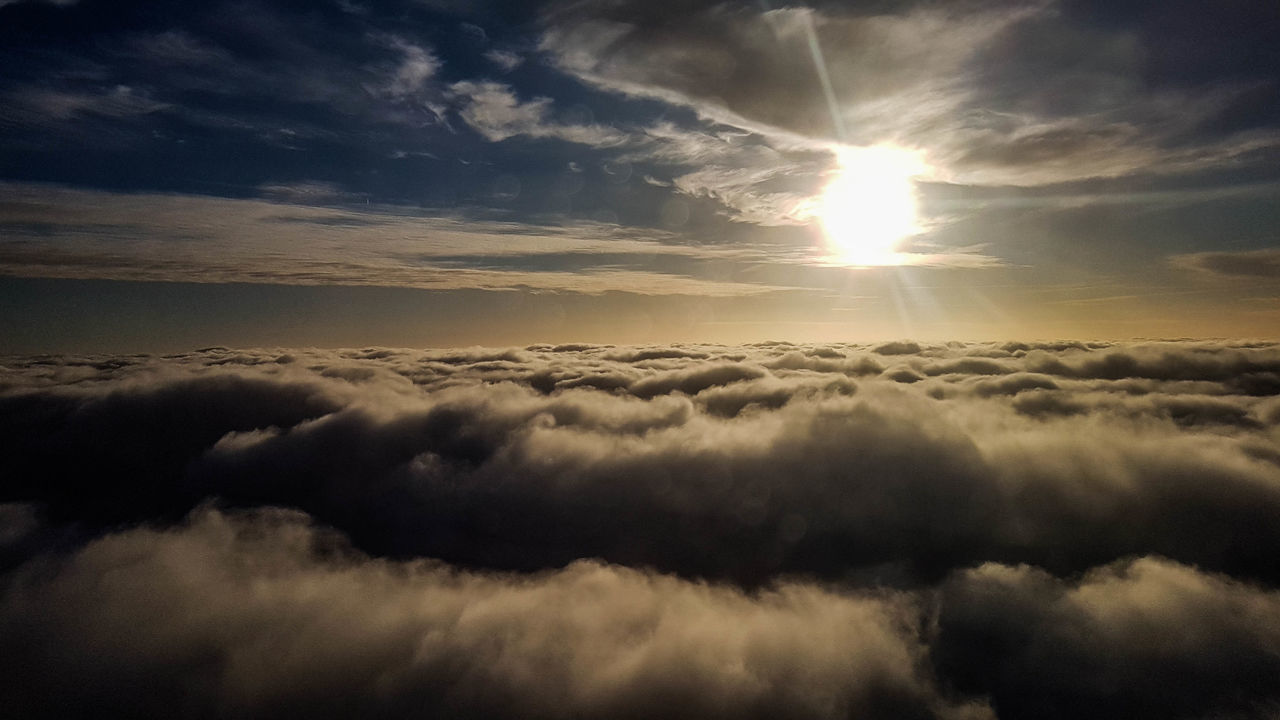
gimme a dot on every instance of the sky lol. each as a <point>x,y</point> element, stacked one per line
<point>630,359</point>
<point>441,173</point>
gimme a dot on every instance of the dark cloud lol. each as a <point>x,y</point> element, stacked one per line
<point>660,353</point>
<point>1140,638</point>
<point>1014,384</point>
<point>1000,92</point>
<point>776,530</point>
<point>903,374</point>
<point>128,445</point>
<point>898,347</point>
<point>1042,404</point>
<point>1244,264</point>
<point>692,382</point>
<point>261,616</point>
<point>821,362</point>
<point>1242,369</point>
<point>697,460</point>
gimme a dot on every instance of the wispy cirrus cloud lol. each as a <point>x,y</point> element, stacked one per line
<point>43,106</point>
<point>1259,264</point>
<point>66,233</point>
<point>1002,93</point>
<point>493,110</point>
<point>504,59</point>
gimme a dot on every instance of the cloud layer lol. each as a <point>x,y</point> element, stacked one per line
<point>652,148</point>
<point>302,234</point>
<point>894,530</point>
<point>1000,93</point>
<point>263,617</point>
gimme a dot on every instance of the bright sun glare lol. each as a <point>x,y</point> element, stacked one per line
<point>870,206</point>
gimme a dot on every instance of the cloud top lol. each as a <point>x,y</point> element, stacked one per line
<point>893,530</point>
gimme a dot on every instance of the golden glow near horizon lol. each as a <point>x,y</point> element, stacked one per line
<point>870,205</point>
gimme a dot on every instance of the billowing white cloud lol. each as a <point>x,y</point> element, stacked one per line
<point>907,464</point>
<point>293,624</point>
<point>1018,530</point>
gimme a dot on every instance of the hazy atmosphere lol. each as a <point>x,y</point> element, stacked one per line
<point>623,359</point>
<point>430,172</point>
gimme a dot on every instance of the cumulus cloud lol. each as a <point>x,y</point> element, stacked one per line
<point>261,615</point>
<point>1138,638</point>
<point>1017,530</point>
<point>732,463</point>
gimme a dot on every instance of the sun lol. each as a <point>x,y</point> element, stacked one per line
<point>870,205</point>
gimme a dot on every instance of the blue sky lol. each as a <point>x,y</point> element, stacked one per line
<point>630,172</point>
